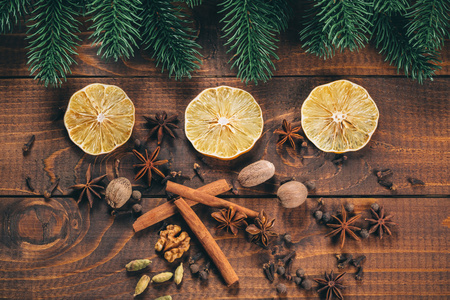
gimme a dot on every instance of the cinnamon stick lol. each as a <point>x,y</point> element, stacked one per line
<point>209,244</point>
<point>167,209</point>
<point>206,199</point>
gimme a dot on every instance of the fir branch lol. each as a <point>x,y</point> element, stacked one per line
<point>167,31</point>
<point>346,22</point>
<point>390,37</point>
<point>314,39</point>
<point>10,13</point>
<point>193,3</point>
<point>115,25</point>
<point>429,23</point>
<point>52,40</point>
<point>390,6</point>
<point>251,27</point>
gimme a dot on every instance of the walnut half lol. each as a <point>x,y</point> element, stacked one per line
<point>173,246</point>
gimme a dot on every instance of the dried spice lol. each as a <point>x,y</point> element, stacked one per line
<point>230,219</point>
<point>261,230</point>
<point>331,285</point>
<point>300,273</point>
<point>360,274</point>
<point>415,181</point>
<point>344,260</point>
<point>269,271</point>
<point>358,261</point>
<point>137,265</point>
<point>48,193</point>
<point>281,288</point>
<point>178,277</point>
<point>198,172</point>
<point>26,147</point>
<point>256,173</point>
<point>89,188</point>
<point>364,233</point>
<point>161,124</point>
<point>162,277</point>
<point>141,285</point>
<point>344,227</point>
<point>383,176</point>
<point>288,133</point>
<point>380,222</point>
<point>292,194</point>
<point>118,192</point>
<point>136,195</point>
<point>307,284</point>
<point>149,164</point>
<point>29,184</point>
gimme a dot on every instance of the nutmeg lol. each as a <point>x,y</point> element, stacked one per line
<point>292,194</point>
<point>256,173</point>
<point>118,192</point>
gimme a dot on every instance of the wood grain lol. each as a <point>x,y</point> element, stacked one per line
<point>412,138</point>
<point>85,257</point>
<point>293,61</point>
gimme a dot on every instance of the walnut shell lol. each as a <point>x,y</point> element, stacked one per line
<point>292,194</point>
<point>118,192</point>
<point>256,173</point>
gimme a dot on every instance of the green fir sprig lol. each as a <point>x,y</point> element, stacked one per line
<point>251,28</point>
<point>409,33</point>
<point>116,27</point>
<point>429,23</point>
<point>390,36</point>
<point>168,32</point>
<point>193,3</point>
<point>343,24</point>
<point>11,11</point>
<point>52,40</point>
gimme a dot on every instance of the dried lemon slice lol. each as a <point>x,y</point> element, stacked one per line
<point>339,117</point>
<point>99,118</point>
<point>223,122</point>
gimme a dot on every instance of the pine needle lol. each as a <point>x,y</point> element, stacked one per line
<point>251,28</point>
<point>10,13</point>
<point>116,27</point>
<point>52,40</point>
<point>167,31</point>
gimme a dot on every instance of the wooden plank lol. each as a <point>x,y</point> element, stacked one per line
<point>293,59</point>
<point>411,139</point>
<point>55,249</point>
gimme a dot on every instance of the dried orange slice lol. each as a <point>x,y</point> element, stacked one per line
<point>99,118</point>
<point>223,122</point>
<point>339,117</point>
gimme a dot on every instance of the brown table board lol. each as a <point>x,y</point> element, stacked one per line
<point>57,249</point>
<point>411,139</point>
<point>92,249</point>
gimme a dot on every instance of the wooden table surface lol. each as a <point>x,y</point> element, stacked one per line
<point>58,249</point>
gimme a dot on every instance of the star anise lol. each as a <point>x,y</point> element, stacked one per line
<point>149,164</point>
<point>161,124</point>
<point>332,285</point>
<point>261,229</point>
<point>230,219</point>
<point>89,188</point>
<point>380,222</point>
<point>344,227</point>
<point>288,133</point>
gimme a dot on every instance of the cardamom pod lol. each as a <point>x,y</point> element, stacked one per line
<point>178,274</point>
<point>141,285</point>
<point>167,297</point>
<point>162,277</point>
<point>137,264</point>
